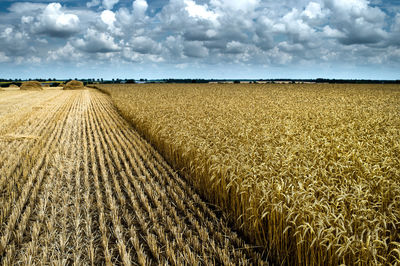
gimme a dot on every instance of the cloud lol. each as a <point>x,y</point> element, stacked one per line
<point>26,7</point>
<point>313,11</point>
<point>396,24</point>
<point>139,8</point>
<point>333,33</point>
<point>109,4</point>
<point>297,29</point>
<point>195,49</point>
<point>53,21</point>
<point>358,22</point>
<point>14,42</point>
<point>235,47</point>
<point>174,46</point>
<point>96,42</point>
<point>200,11</point>
<point>355,7</point>
<point>145,45</point>
<point>3,57</point>
<point>237,5</point>
<point>108,17</point>
<point>27,19</point>
<point>65,53</point>
<point>93,3</point>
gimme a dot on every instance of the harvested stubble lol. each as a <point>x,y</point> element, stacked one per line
<point>309,171</point>
<point>74,85</point>
<point>31,86</point>
<point>90,191</point>
<point>13,86</point>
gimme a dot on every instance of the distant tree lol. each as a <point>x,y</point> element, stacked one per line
<point>55,84</point>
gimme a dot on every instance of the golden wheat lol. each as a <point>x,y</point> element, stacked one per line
<point>80,187</point>
<point>311,172</point>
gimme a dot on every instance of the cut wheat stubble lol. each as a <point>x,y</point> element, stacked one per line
<point>82,202</point>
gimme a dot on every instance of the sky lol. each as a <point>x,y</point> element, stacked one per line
<point>220,39</point>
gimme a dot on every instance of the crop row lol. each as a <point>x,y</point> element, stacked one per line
<point>89,190</point>
<point>310,172</point>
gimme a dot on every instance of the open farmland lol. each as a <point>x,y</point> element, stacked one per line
<point>311,172</point>
<point>79,186</point>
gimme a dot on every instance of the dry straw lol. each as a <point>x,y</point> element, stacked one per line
<point>31,86</point>
<point>74,85</point>
<point>114,201</point>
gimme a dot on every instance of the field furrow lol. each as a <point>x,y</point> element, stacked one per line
<point>145,181</point>
<point>35,171</point>
<point>90,191</point>
<point>177,191</point>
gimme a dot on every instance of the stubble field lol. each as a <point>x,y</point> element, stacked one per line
<point>310,172</point>
<point>78,186</point>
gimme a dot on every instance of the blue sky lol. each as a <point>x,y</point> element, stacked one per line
<point>354,39</point>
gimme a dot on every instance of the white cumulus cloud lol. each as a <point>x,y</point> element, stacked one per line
<point>109,4</point>
<point>139,8</point>
<point>237,5</point>
<point>313,11</point>
<point>108,17</point>
<point>200,11</point>
<point>55,22</point>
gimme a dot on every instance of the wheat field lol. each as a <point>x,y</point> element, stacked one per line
<point>311,172</point>
<point>78,186</point>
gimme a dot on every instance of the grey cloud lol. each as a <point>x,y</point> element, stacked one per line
<point>67,53</point>
<point>14,42</point>
<point>145,45</point>
<point>200,34</point>
<point>394,38</point>
<point>93,3</point>
<point>174,46</point>
<point>96,42</point>
<point>195,49</point>
<point>26,7</point>
<point>4,57</point>
<point>357,21</point>
<point>235,47</point>
<point>359,35</point>
<point>216,44</point>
